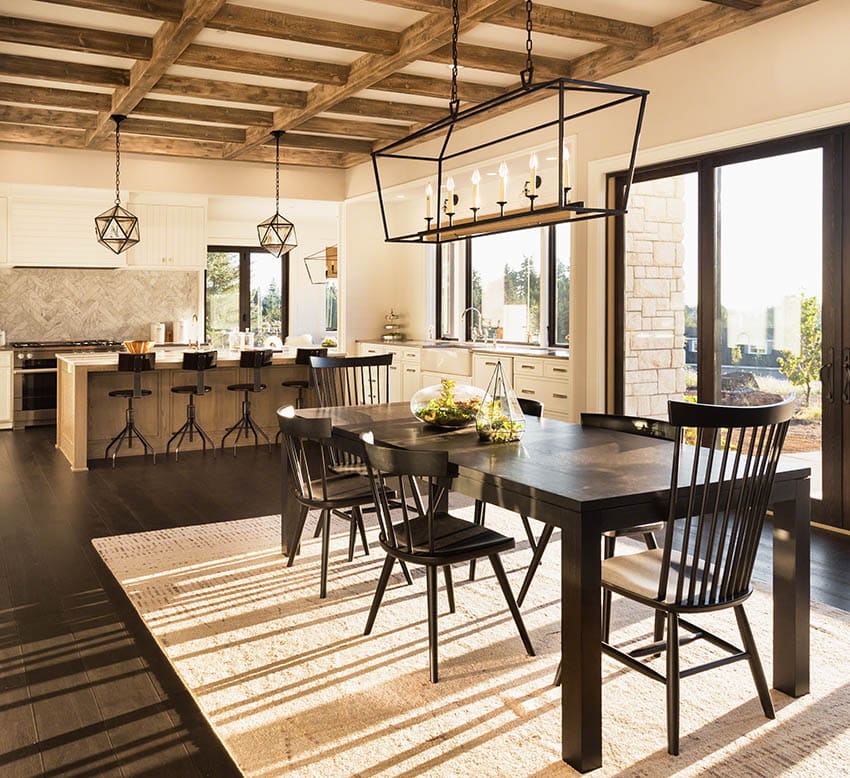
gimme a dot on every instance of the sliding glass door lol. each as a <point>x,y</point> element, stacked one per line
<point>728,287</point>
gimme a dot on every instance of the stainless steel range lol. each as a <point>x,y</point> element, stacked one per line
<point>34,373</point>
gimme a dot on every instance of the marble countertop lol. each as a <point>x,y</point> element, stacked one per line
<point>508,349</point>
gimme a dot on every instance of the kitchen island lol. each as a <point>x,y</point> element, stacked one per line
<point>87,418</point>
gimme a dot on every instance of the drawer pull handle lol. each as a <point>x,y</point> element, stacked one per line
<point>528,367</point>
<point>559,370</point>
<point>528,391</point>
<point>559,396</point>
<point>489,364</point>
<point>411,369</point>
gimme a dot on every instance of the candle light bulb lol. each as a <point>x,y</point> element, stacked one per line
<point>503,182</point>
<point>532,175</point>
<point>476,180</point>
<point>450,200</point>
<point>429,194</point>
<point>566,167</point>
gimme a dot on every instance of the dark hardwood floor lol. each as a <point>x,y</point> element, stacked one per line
<point>85,692</point>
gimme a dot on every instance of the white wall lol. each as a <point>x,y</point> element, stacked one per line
<point>796,63</point>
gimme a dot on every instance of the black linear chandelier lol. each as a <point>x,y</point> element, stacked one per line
<point>487,204</point>
<point>117,228</point>
<point>277,234</point>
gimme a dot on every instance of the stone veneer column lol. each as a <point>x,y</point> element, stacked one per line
<point>654,297</point>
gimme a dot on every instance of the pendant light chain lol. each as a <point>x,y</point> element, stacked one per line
<point>277,172</point>
<point>454,103</point>
<point>527,75</point>
<point>117,159</point>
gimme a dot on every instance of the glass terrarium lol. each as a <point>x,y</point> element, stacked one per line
<point>500,418</point>
<point>448,404</point>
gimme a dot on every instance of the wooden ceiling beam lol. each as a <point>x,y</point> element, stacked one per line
<point>57,98</point>
<point>42,136</point>
<point>381,109</point>
<point>300,140</point>
<point>257,64</point>
<point>169,42</point>
<point>420,38</point>
<point>47,117</point>
<point>228,91</point>
<point>499,61</point>
<point>681,33</point>
<point>175,109</point>
<point>426,86</point>
<point>166,129</point>
<point>355,129</point>
<point>166,10</point>
<point>572,24</point>
<point>69,38</point>
<point>272,24</point>
<point>739,5</point>
<point>70,72</point>
<point>426,6</point>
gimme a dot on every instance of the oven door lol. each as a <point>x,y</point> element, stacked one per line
<point>34,397</point>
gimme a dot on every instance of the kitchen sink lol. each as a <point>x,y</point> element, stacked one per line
<point>447,359</point>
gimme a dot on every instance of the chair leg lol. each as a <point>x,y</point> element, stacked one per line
<point>431,591</point>
<point>650,541</point>
<point>755,663</point>
<point>386,570</point>
<point>405,572</point>
<point>318,530</point>
<point>480,509</point>
<point>358,514</point>
<point>673,684</point>
<point>509,598</point>
<point>557,681</point>
<point>326,542</point>
<point>450,589</point>
<point>542,542</point>
<point>609,544</point>
<point>532,542</point>
<point>302,519</point>
<point>352,536</point>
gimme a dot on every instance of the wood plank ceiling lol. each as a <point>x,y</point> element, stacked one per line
<point>212,79</point>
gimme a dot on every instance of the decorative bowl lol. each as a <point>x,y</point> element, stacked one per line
<point>138,346</point>
<point>447,405</point>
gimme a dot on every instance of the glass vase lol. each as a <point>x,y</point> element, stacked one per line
<point>447,405</point>
<point>500,419</point>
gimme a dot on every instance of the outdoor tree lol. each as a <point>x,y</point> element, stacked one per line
<point>222,274</point>
<point>522,287</point>
<point>803,369</point>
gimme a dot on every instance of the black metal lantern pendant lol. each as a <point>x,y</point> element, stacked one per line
<point>117,228</point>
<point>488,206</point>
<point>277,234</point>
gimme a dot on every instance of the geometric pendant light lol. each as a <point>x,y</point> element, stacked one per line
<point>277,234</point>
<point>117,228</point>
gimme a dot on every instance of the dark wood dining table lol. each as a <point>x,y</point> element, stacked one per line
<point>586,481</point>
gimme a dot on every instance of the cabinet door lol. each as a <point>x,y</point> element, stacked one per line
<point>57,233</point>
<point>395,383</point>
<point>483,366</point>
<point>186,246</point>
<point>151,249</point>
<point>5,395</point>
<point>410,381</point>
<point>369,349</point>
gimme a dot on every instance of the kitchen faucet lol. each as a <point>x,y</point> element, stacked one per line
<point>473,330</point>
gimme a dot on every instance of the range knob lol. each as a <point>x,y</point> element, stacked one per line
<point>29,354</point>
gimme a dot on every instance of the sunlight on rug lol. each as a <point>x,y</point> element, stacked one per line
<point>292,687</point>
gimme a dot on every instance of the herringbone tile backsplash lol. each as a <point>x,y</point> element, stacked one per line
<point>69,303</point>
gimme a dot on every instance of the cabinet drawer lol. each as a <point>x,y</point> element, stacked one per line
<point>368,349</point>
<point>554,395</point>
<point>523,366</point>
<point>412,355</point>
<point>556,368</point>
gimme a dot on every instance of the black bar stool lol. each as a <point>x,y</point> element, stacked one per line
<point>256,359</point>
<point>302,357</point>
<point>199,361</point>
<point>135,364</point>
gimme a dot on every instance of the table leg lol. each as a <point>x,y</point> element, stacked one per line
<point>791,585</point>
<point>581,652</point>
<point>289,507</point>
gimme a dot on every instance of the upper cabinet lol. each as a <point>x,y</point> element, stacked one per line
<point>56,233</point>
<point>172,237</point>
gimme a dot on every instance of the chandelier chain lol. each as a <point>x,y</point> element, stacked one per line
<point>528,74</point>
<point>277,172</point>
<point>453,100</point>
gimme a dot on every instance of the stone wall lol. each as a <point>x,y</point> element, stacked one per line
<point>654,297</point>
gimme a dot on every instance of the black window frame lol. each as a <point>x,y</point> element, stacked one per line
<point>244,253</point>
<point>551,301</point>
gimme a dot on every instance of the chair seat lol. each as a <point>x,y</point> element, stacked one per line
<point>128,393</point>
<point>352,469</point>
<point>641,529</point>
<point>347,489</point>
<point>296,384</point>
<point>189,389</point>
<point>452,537</point>
<point>245,388</point>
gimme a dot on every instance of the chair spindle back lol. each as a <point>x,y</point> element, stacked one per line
<point>352,380</point>
<point>730,474</point>
<point>297,434</point>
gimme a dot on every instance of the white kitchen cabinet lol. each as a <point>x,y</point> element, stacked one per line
<point>57,233</point>
<point>5,390</point>
<point>428,378</point>
<point>173,237</point>
<point>411,380</point>
<point>483,366</point>
<point>370,349</point>
<point>395,382</point>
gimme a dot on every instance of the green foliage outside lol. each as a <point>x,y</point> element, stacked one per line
<point>803,369</point>
<point>522,287</point>
<point>222,294</point>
